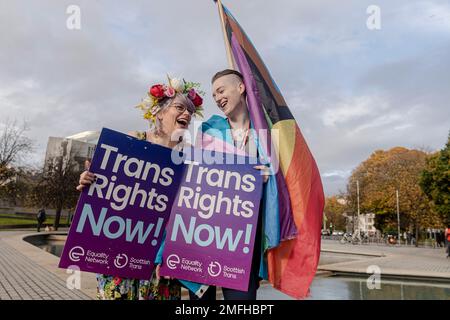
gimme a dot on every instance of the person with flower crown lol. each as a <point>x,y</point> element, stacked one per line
<point>169,109</point>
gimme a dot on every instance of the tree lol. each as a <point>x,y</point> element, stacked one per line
<point>56,186</point>
<point>334,212</point>
<point>435,181</point>
<point>14,145</point>
<point>380,176</point>
<point>17,190</point>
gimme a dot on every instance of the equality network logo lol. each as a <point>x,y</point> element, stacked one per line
<point>173,261</point>
<point>76,253</point>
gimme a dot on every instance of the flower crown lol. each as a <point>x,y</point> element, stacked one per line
<point>150,105</point>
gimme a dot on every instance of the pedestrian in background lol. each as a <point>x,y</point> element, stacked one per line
<point>440,239</point>
<point>41,217</point>
<point>447,237</point>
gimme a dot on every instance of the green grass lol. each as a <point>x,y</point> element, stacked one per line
<point>11,219</point>
<point>10,215</point>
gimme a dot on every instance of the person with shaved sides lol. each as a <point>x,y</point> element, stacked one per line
<point>229,93</point>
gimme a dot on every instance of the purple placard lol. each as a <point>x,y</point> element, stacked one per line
<point>119,221</point>
<point>212,226</point>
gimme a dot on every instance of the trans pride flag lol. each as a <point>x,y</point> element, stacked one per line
<point>293,199</point>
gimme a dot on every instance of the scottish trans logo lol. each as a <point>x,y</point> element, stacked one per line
<point>214,269</point>
<point>121,261</point>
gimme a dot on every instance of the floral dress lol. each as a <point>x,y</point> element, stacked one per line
<point>116,288</point>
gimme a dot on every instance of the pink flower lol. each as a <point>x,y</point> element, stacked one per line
<point>170,92</point>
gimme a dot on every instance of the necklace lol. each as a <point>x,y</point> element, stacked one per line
<point>240,136</point>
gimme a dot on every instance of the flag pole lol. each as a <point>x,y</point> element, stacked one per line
<point>225,38</point>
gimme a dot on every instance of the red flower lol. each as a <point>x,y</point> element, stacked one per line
<point>164,291</point>
<point>197,100</point>
<point>157,91</point>
<point>117,281</point>
<point>192,94</point>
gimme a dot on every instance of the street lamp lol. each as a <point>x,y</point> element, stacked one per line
<point>398,217</point>
<point>356,234</point>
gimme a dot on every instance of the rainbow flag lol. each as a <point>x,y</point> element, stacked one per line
<point>294,200</point>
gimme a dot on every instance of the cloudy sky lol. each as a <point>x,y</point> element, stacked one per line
<point>352,90</point>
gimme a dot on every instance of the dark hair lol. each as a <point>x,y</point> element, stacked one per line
<point>226,72</point>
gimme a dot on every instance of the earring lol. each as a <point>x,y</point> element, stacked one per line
<point>158,132</point>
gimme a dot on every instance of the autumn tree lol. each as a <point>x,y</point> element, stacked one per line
<point>334,212</point>
<point>380,176</point>
<point>435,181</point>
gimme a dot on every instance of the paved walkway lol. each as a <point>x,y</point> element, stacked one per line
<point>23,278</point>
<point>405,261</point>
<point>27,272</point>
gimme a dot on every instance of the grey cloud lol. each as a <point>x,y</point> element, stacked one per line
<point>320,53</point>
